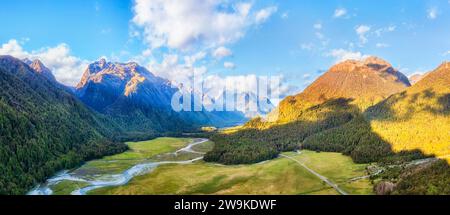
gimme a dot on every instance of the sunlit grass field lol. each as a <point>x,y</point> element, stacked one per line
<point>338,168</point>
<point>278,176</point>
<point>66,187</point>
<point>138,152</point>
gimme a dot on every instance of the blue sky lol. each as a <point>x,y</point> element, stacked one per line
<point>296,39</point>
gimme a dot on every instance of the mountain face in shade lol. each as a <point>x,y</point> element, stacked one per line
<point>139,100</point>
<point>104,83</point>
<point>365,82</point>
<point>43,128</point>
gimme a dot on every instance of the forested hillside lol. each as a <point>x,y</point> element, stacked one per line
<point>415,120</point>
<point>44,129</point>
<point>334,99</point>
<point>418,118</point>
<point>255,142</point>
<point>405,126</point>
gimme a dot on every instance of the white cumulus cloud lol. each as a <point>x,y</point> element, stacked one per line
<point>182,24</point>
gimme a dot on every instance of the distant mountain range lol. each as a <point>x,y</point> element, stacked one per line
<point>141,101</point>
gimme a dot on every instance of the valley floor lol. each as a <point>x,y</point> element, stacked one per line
<point>178,169</point>
<point>174,166</point>
<point>279,176</point>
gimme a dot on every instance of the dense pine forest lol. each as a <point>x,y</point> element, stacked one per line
<point>256,143</point>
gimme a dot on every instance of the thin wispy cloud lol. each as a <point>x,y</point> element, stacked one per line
<point>432,13</point>
<point>317,26</point>
<point>106,31</point>
<point>222,52</point>
<point>340,12</point>
<point>379,32</point>
<point>97,6</point>
<point>362,31</point>
<point>262,15</point>
<point>307,46</point>
<point>382,45</point>
<point>229,65</point>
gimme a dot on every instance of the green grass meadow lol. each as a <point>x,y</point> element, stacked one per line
<point>277,176</point>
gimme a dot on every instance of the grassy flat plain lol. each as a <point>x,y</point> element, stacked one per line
<point>278,176</point>
<point>66,187</point>
<point>139,152</point>
<point>338,168</point>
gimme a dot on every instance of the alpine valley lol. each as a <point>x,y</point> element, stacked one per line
<point>360,128</point>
